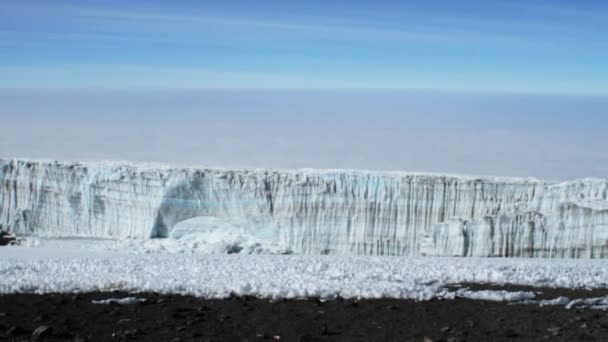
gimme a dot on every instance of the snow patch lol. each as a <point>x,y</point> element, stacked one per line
<point>119,301</point>
<point>593,303</point>
<point>554,301</point>
<point>496,295</point>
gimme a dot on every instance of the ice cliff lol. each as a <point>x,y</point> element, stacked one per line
<point>313,211</point>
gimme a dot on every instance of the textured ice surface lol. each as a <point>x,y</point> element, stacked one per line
<point>311,211</point>
<point>61,269</point>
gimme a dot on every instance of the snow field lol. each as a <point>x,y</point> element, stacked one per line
<point>290,276</point>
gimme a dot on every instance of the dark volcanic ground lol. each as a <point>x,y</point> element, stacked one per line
<point>71,317</point>
<point>5,238</point>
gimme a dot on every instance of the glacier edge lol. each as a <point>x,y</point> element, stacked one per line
<point>313,211</point>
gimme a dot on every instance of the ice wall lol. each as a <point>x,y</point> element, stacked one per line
<point>313,211</point>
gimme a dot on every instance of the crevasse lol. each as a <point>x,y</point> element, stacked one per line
<point>313,211</point>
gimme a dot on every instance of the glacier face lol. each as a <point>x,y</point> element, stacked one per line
<point>313,211</point>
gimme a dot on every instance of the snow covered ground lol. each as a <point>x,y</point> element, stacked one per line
<point>82,265</point>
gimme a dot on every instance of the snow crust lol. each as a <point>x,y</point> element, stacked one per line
<point>342,212</point>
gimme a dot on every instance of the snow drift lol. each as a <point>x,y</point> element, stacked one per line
<point>312,211</point>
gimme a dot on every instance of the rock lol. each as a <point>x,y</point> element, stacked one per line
<point>266,337</point>
<point>7,239</point>
<point>555,330</point>
<point>586,337</point>
<point>446,329</point>
<point>127,334</point>
<point>178,315</point>
<point>15,330</point>
<point>42,331</point>
<point>324,330</point>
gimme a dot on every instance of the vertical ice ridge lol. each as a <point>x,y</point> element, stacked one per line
<point>314,211</point>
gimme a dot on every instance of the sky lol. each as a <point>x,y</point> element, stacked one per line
<point>485,87</point>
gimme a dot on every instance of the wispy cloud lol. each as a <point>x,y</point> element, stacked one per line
<point>417,26</point>
<point>421,27</point>
<point>88,44</point>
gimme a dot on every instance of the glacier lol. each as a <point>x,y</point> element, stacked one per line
<point>347,212</point>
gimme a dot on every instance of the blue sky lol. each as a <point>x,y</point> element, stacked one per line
<point>503,87</point>
<point>506,46</point>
